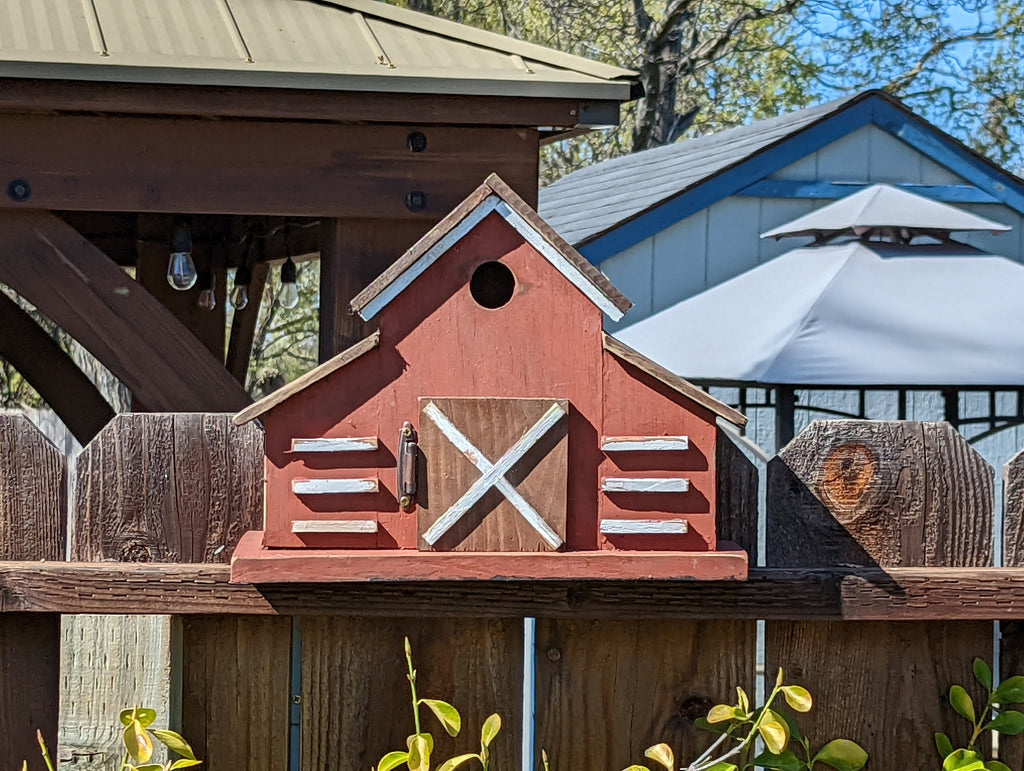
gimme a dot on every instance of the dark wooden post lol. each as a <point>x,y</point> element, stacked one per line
<point>867,493</point>
<point>32,527</point>
<point>785,417</point>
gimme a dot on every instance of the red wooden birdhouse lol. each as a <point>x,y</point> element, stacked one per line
<point>490,428</point>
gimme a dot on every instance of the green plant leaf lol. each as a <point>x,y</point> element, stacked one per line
<point>983,673</point>
<point>798,698</point>
<point>458,760</point>
<point>1010,691</point>
<point>962,702</point>
<point>137,742</point>
<point>144,716</point>
<point>995,765</point>
<point>419,753</point>
<point>783,761</point>
<point>175,743</point>
<point>963,760</point>
<point>636,768</point>
<point>662,753</point>
<point>392,760</point>
<point>774,731</point>
<point>943,745</point>
<point>741,699</point>
<point>778,678</point>
<point>704,725</point>
<point>1009,723</point>
<point>184,763</point>
<point>447,714</point>
<point>490,729</point>
<point>720,713</point>
<point>427,736</point>
<point>794,729</point>
<point>842,755</point>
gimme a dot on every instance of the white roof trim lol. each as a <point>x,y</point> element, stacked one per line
<point>492,203</point>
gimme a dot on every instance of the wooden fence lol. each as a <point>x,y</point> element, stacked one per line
<point>878,592</point>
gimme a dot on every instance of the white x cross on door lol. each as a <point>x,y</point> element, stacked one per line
<point>495,474</point>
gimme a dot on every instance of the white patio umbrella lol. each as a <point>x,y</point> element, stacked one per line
<point>858,310</point>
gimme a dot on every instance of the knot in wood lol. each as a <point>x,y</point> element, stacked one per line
<point>847,474</point>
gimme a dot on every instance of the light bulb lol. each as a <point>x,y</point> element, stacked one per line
<point>207,300</point>
<point>240,294</point>
<point>289,296</point>
<point>240,297</point>
<point>181,270</point>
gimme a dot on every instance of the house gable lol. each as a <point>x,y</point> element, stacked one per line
<point>972,178</point>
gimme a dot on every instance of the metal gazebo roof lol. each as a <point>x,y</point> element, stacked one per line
<point>352,45</point>
<point>853,313</point>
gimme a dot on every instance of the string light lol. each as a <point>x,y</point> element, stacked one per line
<point>289,294</point>
<point>181,270</point>
<point>207,298</point>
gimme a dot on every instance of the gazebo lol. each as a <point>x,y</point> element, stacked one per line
<point>882,298</point>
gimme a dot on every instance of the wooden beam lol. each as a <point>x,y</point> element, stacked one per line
<point>243,325</point>
<point>287,104</point>
<point>899,594</point>
<point>42,362</point>
<point>98,304</point>
<point>251,167</point>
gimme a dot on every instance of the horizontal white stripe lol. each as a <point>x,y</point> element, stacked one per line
<point>658,485</point>
<point>362,444</point>
<point>334,526</point>
<point>645,443</point>
<point>333,486</point>
<point>644,526</point>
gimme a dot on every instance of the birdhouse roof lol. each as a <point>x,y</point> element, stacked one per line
<point>492,196</point>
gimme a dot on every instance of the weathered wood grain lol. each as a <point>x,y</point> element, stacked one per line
<point>607,690</point>
<point>493,427</point>
<point>1011,644</point>
<point>355,696</point>
<point>236,691</point>
<point>32,475</point>
<point>866,493</point>
<point>879,493</point>
<point>736,510</point>
<point>167,488</point>
<point>97,303</point>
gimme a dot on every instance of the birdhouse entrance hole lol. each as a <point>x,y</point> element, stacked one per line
<point>492,285</point>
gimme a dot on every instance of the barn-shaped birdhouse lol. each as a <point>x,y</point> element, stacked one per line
<point>490,428</point>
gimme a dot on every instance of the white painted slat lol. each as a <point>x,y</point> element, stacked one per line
<point>645,443</point>
<point>396,287</point>
<point>333,486</point>
<point>493,475</point>
<point>358,444</point>
<point>644,526</point>
<point>334,526</point>
<point>566,268</point>
<point>649,485</point>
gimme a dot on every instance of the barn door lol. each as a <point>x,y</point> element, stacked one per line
<point>495,474</point>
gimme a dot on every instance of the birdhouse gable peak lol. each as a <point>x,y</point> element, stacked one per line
<point>493,196</point>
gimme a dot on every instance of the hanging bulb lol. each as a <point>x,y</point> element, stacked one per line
<point>240,294</point>
<point>289,296</point>
<point>181,271</point>
<point>207,299</point>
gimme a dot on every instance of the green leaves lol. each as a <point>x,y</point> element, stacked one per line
<point>798,698</point>
<point>662,754</point>
<point>145,717</point>
<point>943,744</point>
<point>962,702</point>
<point>1010,691</point>
<point>721,713</point>
<point>392,760</point>
<point>446,714</point>
<point>774,731</point>
<point>458,760</point>
<point>843,755</point>
<point>137,738</point>
<point>490,730</point>
<point>137,743</point>
<point>785,761</point>
<point>1009,723</point>
<point>983,674</point>
<point>420,747</point>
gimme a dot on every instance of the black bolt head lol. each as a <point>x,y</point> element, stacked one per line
<point>19,190</point>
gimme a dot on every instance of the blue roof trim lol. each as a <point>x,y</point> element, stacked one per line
<point>832,191</point>
<point>875,109</point>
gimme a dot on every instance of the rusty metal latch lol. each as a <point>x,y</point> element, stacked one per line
<point>408,455</point>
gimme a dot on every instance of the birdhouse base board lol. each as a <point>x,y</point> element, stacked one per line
<point>251,563</point>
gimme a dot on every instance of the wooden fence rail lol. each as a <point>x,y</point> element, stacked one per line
<point>879,589</point>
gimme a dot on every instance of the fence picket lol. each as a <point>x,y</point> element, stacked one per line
<point>866,493</point>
